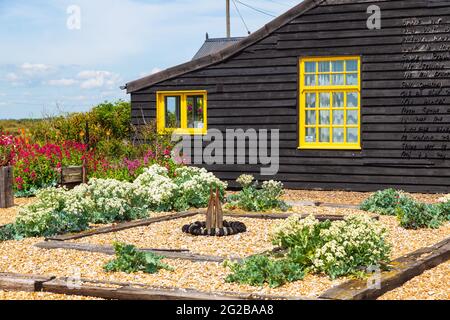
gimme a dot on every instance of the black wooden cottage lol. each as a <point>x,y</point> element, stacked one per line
<point>361,96</point>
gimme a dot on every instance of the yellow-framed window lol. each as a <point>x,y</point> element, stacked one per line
<point>182,112</point>
<point>330,103</point>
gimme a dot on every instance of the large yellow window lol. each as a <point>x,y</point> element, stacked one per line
<point>330,95</point>
<point>183,112</point>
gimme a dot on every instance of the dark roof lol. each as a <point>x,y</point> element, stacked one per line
<point>230,50</point>
<point>213,45</point>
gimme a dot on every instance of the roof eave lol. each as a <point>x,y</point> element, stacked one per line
<point>226,53</point>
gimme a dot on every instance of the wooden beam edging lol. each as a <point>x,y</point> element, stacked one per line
<point>122,226</point>
<point>118,290</point>
<point>281,216</point>
<point>404,269</point>
<point>109,250</point>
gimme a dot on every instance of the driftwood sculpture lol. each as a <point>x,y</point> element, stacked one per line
<point>214,225</point>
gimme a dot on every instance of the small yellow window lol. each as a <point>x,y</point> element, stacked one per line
<point>330,103</point>
<point>182,112</point>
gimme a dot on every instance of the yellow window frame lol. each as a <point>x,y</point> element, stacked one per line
<point>184,130</point>
<point>303,90</point>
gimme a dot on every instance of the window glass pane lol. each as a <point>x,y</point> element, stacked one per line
<point>338,117</point>
<point>338,79</point>
<point>310,100</point>
<point>172,110</point>
<point>195,110</point>
<point>352,117</point>
<point>352,65</point>
<point>338,135</point>
<point>324,79</point>
<point>338,100</point>
<point>310,117</point>
<point>324,66</point>
<point>310,67</point>
<point>324,100</point>
<point>310,135</point>
<point>337,66</point>
<point>352,100</point>
<point>352,79</point>
<point>310,80</point>
<point>324,117</point>
<point>352,135</point>
<point>324,135</point>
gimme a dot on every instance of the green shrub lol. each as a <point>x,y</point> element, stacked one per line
<point>260,269</point>
<point>337,249</point>
<point>385,202</point>
<point>418,215</point>
<point>8,232</point>
<point>252,198</point>
<point>129,259</point>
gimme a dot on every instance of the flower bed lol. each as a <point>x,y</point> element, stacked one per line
<point>58,210</point>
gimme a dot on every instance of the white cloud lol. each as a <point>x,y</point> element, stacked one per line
<point>12,77</point>
<point>98,79</point>
<point>31,69</point>
<point>62,82</point>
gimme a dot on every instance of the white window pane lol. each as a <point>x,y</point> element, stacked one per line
<point>324,66</point>
<point>324,117</point>
<point>352,135</point>
<point>310,100</point>
<point>338,135</point>
<point>324,80</point>
<point>310,117</point>
<point>324,135</point>
<point>337,66</point>
<point>324,100</point>
<point>310,80</point>
<point>310,67</point>
<point>352,65</point>
<point>338,79</point>
<point>352,117</point>
<point>310,135</point>
<point>338,117</point>
<point>338,100</point>
<point>352,100</point>
<point>352,79</point>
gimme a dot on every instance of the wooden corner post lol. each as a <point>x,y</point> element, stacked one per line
<point>6,187</point>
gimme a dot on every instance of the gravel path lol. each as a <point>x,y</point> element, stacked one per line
<point>39,296</point>
<point>9,215</point>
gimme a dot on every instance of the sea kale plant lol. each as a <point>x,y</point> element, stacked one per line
<point>129,260</point>
<point>340,248</point>
<point>58,210</point>
<point>411,213</point>
<point>255,197</point>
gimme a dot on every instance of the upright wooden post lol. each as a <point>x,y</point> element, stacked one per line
<point>214,214</point>
<point>228,20</point>
<point>6,187</point>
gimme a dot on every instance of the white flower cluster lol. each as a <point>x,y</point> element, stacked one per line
<point>273,189</point>
<point>444,199</point>
<point>245,180</point>
<point>105,200</point>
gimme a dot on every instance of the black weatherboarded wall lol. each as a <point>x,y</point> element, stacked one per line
<point>405,92</point>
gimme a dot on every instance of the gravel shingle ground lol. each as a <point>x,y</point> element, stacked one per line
<point>23,257</point>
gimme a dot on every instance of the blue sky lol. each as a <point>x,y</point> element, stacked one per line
<point>47,68</point>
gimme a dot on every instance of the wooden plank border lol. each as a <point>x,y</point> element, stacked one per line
<point>404,269</point>
<point>109,250</point>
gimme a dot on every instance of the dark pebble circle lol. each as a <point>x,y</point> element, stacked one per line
<point>229,228</point>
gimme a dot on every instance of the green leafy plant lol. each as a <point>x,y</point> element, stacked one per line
<point>336,249</point>
<point>418,215</point>
<point>255,198</point>
<point>129,259</point>
<point>385,202</point>
<point>260,269</point>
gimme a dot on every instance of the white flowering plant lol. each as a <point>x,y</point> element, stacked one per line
<point>253,197</point>
<point>336,249</point>
<point>58,210</point>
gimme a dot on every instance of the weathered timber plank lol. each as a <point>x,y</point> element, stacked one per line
<point>109,250</point>
<point>122,226</point>
<point>22,282</point>
<point>404,269</point>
